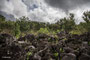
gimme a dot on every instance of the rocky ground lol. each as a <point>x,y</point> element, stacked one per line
<point>43,47</point>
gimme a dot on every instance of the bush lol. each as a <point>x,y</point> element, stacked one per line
<point>43,30</point>
<point>17,31</point>
<point>28,54</point>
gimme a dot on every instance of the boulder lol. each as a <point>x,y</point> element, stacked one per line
<point>84,57</point>
<point>28,37</point>
<point>13,52</point>
<point>69,56</point>
<point>67,49</point>
<point>6,39</point>
<point>42,36</point>
<point>9,50</point>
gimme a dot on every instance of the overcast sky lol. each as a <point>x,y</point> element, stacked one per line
<point>44,10</point>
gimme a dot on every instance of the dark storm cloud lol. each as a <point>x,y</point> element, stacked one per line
<point>67,4</point>
<point>8,16</point>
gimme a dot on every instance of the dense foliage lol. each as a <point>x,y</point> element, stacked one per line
<point>24,26</point>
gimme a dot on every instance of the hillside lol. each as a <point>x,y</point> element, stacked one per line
<point>24,39</point>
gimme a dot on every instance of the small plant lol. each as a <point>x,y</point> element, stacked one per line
<point>61,50</point>
<point>58,31</point>
<point>56,54</point>
<point>29,54</point>
<point>89,43</point>
<point>49,39</point>
<point>65,39</point>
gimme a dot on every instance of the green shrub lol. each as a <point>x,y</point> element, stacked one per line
<point>17,31</point>
<point>29,54</point>
<point>56,54</point>
<point>88,43</point>
<point>43,30</point>
<point>61,50</point>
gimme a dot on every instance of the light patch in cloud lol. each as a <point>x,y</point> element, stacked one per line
<point>6,6</point>
<point>78,12</point>
<point>14,7</point>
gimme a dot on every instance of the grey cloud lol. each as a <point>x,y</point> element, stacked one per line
<point>36,10</point>
<point>13,7</point>
<point>67,4</point>
<point>41,10</point>
<point>8,16</point>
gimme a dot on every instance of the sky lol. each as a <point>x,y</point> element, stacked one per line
<point>44,10</point>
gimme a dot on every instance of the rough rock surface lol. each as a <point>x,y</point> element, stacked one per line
<point>43,47</point>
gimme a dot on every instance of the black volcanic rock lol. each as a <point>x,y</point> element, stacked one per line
<point>6,39</point>
<point>9,50</point>
<point>42,47</point>
<point>69,56</point>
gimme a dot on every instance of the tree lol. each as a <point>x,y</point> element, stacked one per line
<point>67,24</point>
<point>2,18</point>
<point>86,16</point>
<point>23,23</point>
<point>17,30</point>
